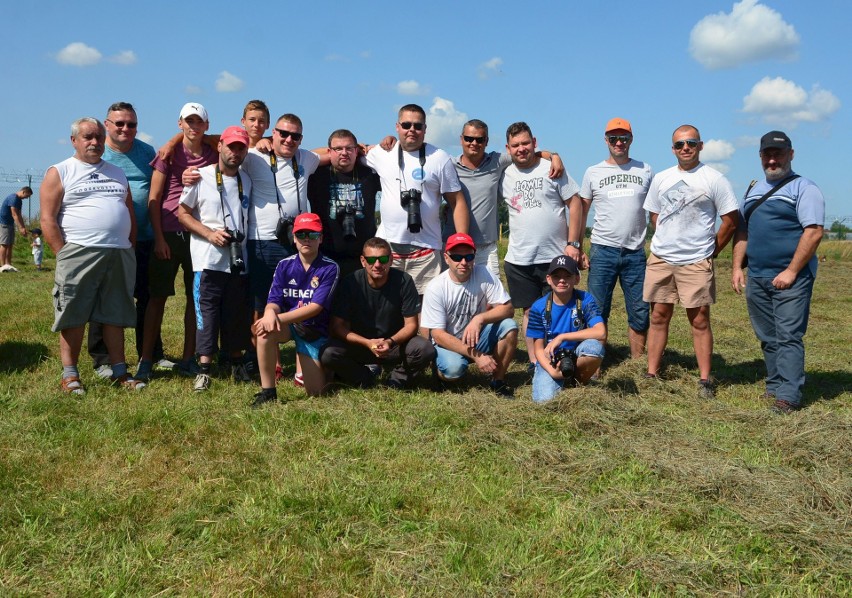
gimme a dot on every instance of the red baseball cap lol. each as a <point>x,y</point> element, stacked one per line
<point>307,221</point>
<point>459,239</point>
<point>234,135</point>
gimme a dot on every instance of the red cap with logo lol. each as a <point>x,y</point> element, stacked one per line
<point>234,135</point>
<point>307,221</point>
<point>459,239</point>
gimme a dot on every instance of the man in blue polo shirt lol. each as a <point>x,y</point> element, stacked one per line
<point>10,215</point>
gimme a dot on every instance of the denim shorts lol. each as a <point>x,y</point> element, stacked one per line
<point>452,366</point>
<point>306,347</point>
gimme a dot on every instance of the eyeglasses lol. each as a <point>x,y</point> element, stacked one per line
<point>693,143</point>
<point>457,257</point>
<point>613,139</point>
<point>285,134</point>
<point>471,139</point>
<point>344,149</point>
<point>120,124</point>
<point>308,234</point>
<point>371,259</point>
<point>417,126</point>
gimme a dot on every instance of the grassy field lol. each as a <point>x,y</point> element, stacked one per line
<point>623,488</point>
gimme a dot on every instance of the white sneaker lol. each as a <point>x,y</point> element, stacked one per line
<point>202,383</point>
<point>12,269</point>
<point>5,268</point>
<point>103,371</point>
<point>165,364</point>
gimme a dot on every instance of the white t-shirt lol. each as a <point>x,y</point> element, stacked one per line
<point>617,193</point>
<point>440,177</point>
<point>207,207</point>
<point>263,210</point>
<point>94,211</point>
<point>538,225</point>
<point>450,305</point>
<point>687,203</point>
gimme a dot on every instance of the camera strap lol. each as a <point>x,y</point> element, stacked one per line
<point>422,153</point>
<point>767,195</point>
<point>220,185</point>
<point>273,165</point>
<point>295,167</point>
<point>548,315</point>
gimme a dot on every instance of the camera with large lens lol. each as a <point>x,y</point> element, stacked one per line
<point>563,360</point>
<point>346,216</point>
<point>410,200</point>
<point>284,231</point>
<point>235,251</point>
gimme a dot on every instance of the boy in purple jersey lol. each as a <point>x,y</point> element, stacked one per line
<point>298,309</point>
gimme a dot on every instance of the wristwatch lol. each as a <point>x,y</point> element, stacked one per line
<point>574,244</point>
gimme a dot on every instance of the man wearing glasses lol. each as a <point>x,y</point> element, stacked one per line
<point>684,202</point>
<point>617,187</point>
<point>469,317</point>
<point>374,324</point>
<point>479,173</point>
<point>415,176</point>
<point>298,309</point>
<point>343,193</point>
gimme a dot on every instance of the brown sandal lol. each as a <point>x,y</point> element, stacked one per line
<point>72,385</point>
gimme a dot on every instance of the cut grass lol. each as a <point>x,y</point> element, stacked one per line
<point>621,488</point>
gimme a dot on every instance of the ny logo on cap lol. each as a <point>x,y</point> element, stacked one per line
<point>561,261</point>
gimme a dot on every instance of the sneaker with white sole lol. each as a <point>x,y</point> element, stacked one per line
<point>165,364</point>
<point>202,383</point>
<point>103,371</point>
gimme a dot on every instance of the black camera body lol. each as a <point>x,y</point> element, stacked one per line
<point>564,360</point>
<point>346,216</point>
<point>410,200</point>
<point>235,251</point>
<point>284,231</point>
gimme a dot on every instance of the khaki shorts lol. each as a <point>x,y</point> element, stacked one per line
<point>94,284</point>
<point>7,234</point>
<point>423,265</point>
<point>693,285</point>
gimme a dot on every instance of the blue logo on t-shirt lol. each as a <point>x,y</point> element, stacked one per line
<point>301,170</point>
<point>419,174</point>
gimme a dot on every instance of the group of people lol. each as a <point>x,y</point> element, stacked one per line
<point>278,243</point>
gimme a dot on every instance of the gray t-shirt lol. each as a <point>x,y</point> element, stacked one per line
<point>481,188</point>
<point>538,225</point>
<point>618,193</point>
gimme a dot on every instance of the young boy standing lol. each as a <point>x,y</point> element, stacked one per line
<point>568,332</point>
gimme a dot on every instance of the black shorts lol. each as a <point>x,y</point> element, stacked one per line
<point>526,283</point>
<point>221,302</point>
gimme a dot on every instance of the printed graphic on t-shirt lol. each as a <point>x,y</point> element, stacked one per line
<point>679,199</point>
<point>524,194</point>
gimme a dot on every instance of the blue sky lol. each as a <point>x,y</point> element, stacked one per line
<point>736,70</point>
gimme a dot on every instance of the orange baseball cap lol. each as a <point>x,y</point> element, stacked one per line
<point>618,123</point>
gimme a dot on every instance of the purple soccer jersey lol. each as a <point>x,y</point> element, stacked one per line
<point>293,287</point>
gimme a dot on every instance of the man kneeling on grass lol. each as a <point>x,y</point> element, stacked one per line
<point>469,316</point>
<point>568,332</point>
<point>297,308</point>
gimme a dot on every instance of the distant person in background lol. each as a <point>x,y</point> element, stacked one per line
<point>785,214</point>
<point>87,219</point>
<point>10,216</point>
<point>133,156</point>
<point>38,248</point>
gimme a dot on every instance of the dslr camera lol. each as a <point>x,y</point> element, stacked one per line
<point>410,200</point>
<point>346,214</point>
<point>235,251</point>
<point>564,360</point>
<point>284,231</point>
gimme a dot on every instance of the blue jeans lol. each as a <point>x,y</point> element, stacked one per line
<point>452,366</point>
<point>545,387</point>
<point>628,266</point>
<point>780,319</point>
<point>263,258</point>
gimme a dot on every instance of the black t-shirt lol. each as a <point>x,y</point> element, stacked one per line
<point>376,313</point>
<point>355,191</point>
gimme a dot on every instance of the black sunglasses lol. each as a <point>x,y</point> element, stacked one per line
<point>693,143</point>
<point>457,257</point>
<point>308,234</point>
<point>417,126</point>
<point>613,139</point>
<point>471,139</point>
<point>285,134</point>
<point>383,259</point>
<point>124,123</point>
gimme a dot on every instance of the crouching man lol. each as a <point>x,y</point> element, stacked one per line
<point>297,308</point>
<point>469,316</point>
<point>568,332</point>
<point>374,323</point>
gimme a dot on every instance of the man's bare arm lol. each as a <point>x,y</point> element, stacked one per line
<point>51,194</point>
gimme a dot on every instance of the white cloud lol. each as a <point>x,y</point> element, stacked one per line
<point>444,122</point>
<point>717,149</point>
<point>411,88</point>
<point>720,166</point>
<point>780,101</point>
<point>336,58</point>
<point>490,68</point>
<point>366,54</point>
<point>125,57</point>
<point>747,141</point>
<point>192,90</point>
<point>144,137</point>
<point>78,54</point>
<point>228,82</point>
<point>749,33</point>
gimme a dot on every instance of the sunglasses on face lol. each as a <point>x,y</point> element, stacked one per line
<point>417,126</point>
<point>457,257</point>
<point>693,143</point>
<point>285,134</point>
<point>471,139</point>
<point>613,139</point>
<point>382,259</point>
<point>308,234</point>
<point>120,124</point>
